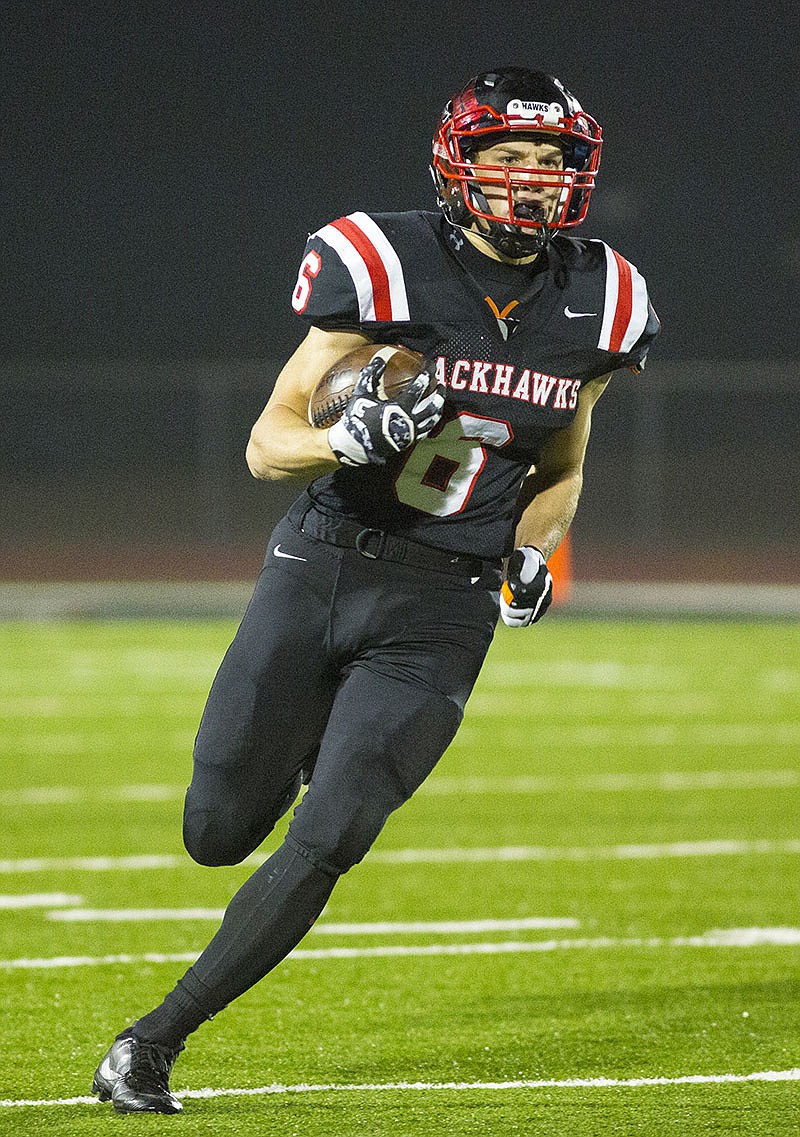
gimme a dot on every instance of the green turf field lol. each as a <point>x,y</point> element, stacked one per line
<point>633,787</point>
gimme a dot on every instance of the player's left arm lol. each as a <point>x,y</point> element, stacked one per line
<point>550,493</point>
<point>545,509</point>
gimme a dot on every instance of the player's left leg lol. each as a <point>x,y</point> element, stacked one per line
<point>394,714</point>
<point>414,659</point>
<point>383,739</point>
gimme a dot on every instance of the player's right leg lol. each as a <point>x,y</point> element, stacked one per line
<point>267,707</point>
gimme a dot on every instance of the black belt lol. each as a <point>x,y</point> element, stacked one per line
<point>376,544</point>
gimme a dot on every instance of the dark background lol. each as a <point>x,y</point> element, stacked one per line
<point>162,164</point>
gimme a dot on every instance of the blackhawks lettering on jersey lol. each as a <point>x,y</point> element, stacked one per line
<point>513,345</point>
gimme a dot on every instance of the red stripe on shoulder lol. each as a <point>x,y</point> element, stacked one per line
<point>622,315</point>
<point>378,275</point>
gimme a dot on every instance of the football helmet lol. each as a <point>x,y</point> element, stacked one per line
<point>514,102</point>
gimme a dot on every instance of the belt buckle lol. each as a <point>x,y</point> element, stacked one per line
<point>361,543</point>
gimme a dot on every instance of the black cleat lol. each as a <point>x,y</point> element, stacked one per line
<point>134,1075</point>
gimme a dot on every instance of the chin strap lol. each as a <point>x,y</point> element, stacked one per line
<point>508,239</point>
<point>515,243</point>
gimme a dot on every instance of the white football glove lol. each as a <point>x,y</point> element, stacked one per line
<point>527,591</point>
<point>372,429</point>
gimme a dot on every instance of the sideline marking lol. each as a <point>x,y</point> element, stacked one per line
<point>531,1084</point>
<point>433,927</point>
<point>434,856</point>
<point>716,938</point>
<point>668,781</point>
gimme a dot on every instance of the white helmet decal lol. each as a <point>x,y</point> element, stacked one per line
<point>522,108</point>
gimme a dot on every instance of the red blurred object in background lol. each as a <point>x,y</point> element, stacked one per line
<point>560,565</point>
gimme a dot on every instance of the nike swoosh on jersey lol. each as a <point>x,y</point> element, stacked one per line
<point>278,552</point>
<point>576,315</point>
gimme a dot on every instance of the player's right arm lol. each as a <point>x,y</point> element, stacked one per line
<point>283,445</point>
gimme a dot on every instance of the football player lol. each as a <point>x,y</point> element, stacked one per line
<point>421,524</point>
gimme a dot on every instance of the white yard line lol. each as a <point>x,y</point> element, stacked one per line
<point>501,675</point>
<point>97,864</point>
<point>532,735</point>
<point>378,1087</point>
<point>716,938</point>
<point>387,928</point>
<point>39,900</point>
<point>133,915</point>
<point>668,781</point>
<point>466,855</point>
<point>664,734</point>
<point>80,795</point>
<point>677,849</point>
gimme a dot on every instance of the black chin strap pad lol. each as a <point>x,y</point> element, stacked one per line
<point>507,238</point>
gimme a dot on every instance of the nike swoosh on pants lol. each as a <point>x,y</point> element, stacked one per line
<point>278,552</point>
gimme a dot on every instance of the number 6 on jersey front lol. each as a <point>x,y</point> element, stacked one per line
<point>441,470</point>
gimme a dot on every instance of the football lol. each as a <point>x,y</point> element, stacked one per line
<point>329,397</point>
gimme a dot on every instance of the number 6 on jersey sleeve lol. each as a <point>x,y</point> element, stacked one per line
<point>441,470</point>
<point>312,263</point>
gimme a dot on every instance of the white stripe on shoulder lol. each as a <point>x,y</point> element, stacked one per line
<point>639,310</point>
<point>391,262</point>
<point>354,263</point>
<point>634,293</point>
<point>612,294</point>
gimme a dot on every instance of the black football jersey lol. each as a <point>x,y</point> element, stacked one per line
<point>513,345</point>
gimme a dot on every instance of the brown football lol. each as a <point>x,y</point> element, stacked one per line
<point>329,397</point>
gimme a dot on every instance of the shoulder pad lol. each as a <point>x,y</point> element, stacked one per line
<point>351,272</point>
<point>626,309</point>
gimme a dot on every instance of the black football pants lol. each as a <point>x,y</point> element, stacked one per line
<point>356,668</point>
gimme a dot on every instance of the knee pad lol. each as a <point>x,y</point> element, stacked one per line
<point>383,740</point>
<point>210,843</point>
<point>224,831</point>
<point>337,825</point>
<point>336,843</point>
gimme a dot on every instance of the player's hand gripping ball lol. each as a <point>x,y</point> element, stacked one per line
<point>527,591</point>
<point>380,401</point>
